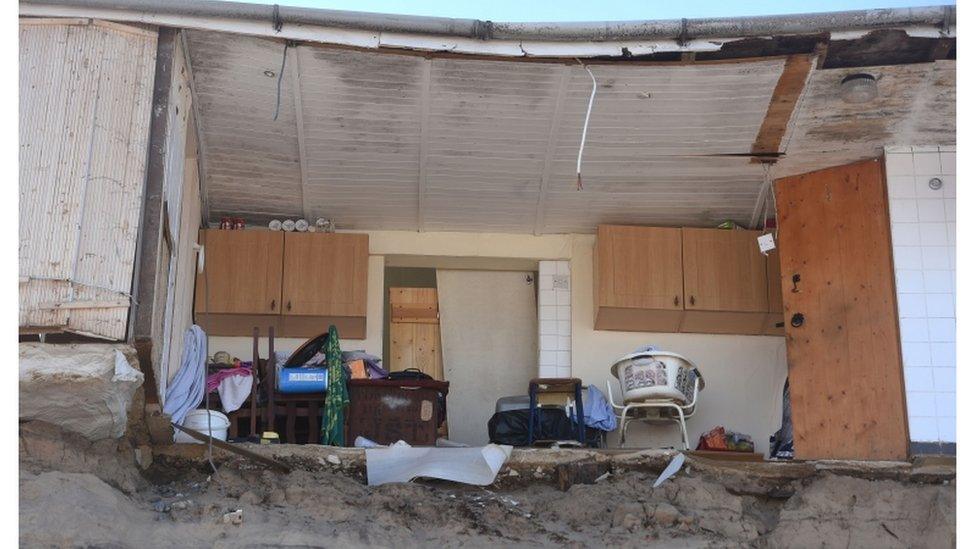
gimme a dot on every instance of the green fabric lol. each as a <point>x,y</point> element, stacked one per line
<point>337,398</point>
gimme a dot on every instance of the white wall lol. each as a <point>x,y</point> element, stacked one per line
<point>923,227</point>
<point>744,374</point>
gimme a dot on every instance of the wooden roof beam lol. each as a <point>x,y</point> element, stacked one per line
<point>782,104</point>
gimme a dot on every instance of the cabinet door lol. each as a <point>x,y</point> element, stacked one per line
<point>325,274</point>
<point>724,271</point>
<point>639,267</point>
<point>243,269</point>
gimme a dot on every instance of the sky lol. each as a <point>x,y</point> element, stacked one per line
<point>596,10</point>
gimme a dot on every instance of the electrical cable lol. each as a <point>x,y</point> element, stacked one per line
<point>586,125</point>
<point>281,72</point>
<point>206,395</point>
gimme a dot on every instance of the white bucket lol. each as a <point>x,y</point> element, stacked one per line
<point>197,420</point>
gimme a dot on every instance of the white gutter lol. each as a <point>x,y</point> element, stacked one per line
<point>472,36</point>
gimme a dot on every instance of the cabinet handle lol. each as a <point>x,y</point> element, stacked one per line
<point>289,305</point>
<point>273,303</point>
<point>691,300</point>
<point>676,301</point>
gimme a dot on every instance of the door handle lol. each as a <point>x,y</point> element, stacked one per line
<point>273,303</point>
<point>797,320</point>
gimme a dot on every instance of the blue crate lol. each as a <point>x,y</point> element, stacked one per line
<point>303,380</point>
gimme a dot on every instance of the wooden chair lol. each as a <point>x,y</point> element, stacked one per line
<point>541,389</point>
<point>291,406</point>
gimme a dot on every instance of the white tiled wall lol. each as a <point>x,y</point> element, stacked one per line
<point>923,231</point>
<point>555,311</point>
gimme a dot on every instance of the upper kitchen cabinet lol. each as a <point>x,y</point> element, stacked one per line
<point>725,282</point>
<point>242,272</point>
<point>637,278</point>
<point>298,283</point>
<point>325,275</point>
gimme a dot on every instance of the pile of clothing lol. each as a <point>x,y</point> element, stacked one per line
<point>231,379</point>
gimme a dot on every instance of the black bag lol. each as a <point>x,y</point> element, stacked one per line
<point>409,373</point>
<point>512,427</point>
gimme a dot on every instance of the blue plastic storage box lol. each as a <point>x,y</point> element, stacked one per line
<point>303,380</point>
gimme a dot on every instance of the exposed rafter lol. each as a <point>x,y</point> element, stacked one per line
<point>540,209</point>
<point>198,125</point>
<point>796,71</point>
<point>296,79</point>
<point>424,131</point>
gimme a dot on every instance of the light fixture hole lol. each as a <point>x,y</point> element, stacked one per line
<point>858,88</point>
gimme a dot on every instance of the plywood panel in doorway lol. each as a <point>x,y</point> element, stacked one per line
<point>415,337</point>
<point>845,369</point>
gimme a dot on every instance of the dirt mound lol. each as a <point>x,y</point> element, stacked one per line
<point>62,504</point>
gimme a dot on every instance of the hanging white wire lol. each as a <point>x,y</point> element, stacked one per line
<point>586,125</point>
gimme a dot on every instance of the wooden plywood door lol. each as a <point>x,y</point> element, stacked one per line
<point>243,269</point>
<point>639,267</point>
<point>325,274</point>
<point>723,271</point>
<point>415,335</point>
<point>844,356</point>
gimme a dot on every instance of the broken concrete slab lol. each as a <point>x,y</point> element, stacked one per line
<point>86,388</point>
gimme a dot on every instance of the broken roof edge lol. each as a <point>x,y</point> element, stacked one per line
<point>472,36</point>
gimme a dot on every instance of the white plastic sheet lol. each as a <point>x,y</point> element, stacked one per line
<point>403,463</point>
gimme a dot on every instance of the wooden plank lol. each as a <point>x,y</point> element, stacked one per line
<point>235,449</point>
<point>723,271</point>
<point>296,86</point>
<point>415,342</point>
<point>723,322</point>
<point>786,94</point>
<point>727,456</point>
<point>845,370</point>
<point>350,327</point>
<point>151,214</point>
<point>243,270</point>
<point>325,274</point>
<point>626,319</point>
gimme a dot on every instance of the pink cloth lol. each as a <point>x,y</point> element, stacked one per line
<point>214,379</point>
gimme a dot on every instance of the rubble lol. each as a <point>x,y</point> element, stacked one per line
<point>85,388</point>
<point>178,502</point>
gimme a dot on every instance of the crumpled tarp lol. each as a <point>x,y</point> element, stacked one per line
<point>401,462</point>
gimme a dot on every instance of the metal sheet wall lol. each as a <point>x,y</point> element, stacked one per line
<point>85,96</point>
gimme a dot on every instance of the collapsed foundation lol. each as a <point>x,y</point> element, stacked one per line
<point>114,492</point>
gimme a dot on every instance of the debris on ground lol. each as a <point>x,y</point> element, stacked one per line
<point>708,505</point>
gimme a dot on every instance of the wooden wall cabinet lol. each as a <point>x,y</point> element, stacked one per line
<point>637,279</point>
<point>300,283</point>
<point>683,280</point>
<point>243,269</point>
<point>726,289</point>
